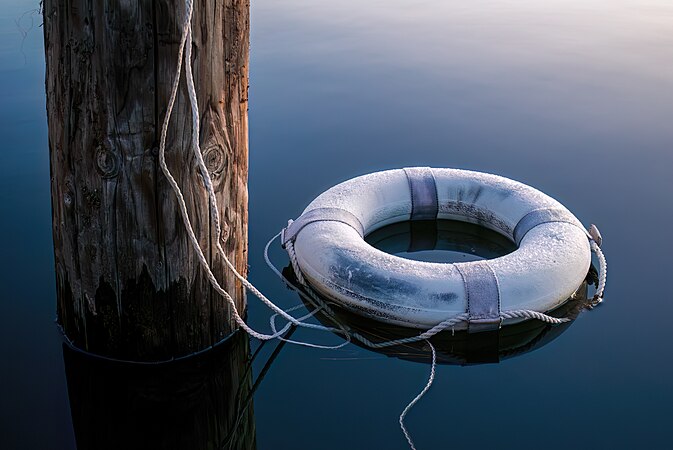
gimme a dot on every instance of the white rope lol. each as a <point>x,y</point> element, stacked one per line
<point>419,396</point>
<point>272,323</point>
<point>312,298</point>
<point>215,215</point>
<point>449,323</point>
<point>602,273</point>
<point>186,38</point>
<point>530,314</point>
<point>319,303</point>
<point>186,33</point>
<point>455,320</point>
<point>289,246</point>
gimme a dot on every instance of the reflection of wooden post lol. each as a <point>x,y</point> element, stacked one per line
<point>128,283</point>
<point>203,402</point>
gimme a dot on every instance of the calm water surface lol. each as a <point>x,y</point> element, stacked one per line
<point>573,97</point>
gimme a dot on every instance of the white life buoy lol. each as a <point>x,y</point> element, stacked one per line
<point>328,248</point>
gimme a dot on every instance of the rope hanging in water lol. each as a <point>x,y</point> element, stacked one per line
<point>186,36</point>
<point>340,329</point>
<point>431,379</point>
<point>186,54</point>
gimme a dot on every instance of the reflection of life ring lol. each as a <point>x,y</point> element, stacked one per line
<point>459,348</point>
<point>326,244</point>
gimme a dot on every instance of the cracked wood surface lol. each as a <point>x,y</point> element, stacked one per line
<point>128,283</point>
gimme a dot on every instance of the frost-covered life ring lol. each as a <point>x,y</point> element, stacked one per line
<point>327,246</point>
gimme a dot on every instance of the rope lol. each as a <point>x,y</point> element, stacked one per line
<point>186,32</point>
<point>314,299</point>
<point>455,320</point>
<point>215,214</point>
<point>419,396</point>
<point>602,274</point>
<point>530,314</point>
<point>309,295</point>
<point>289,246</point>
<point>446,324</point>
<point>186,37</point>
<point>272,323</point>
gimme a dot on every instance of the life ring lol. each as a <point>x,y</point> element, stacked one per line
<point>326,244</point>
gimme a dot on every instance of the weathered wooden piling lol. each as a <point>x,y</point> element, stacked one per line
<point>128,283</point>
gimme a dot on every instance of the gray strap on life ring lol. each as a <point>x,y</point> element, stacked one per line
<point>423,188</point>
<point>319,215</point>
<point>540,216</point>
<point>483,296</point>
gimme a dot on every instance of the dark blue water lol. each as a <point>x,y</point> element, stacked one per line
<point>573,97</point>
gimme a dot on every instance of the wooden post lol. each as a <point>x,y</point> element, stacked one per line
<point>128,282</point>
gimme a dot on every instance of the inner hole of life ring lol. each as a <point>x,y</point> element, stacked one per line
<point>440,241</point>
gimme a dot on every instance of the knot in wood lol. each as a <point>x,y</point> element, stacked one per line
<point>107,162</point>
<point>215,159</point>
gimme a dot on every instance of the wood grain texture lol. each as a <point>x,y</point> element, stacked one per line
<point>128,282</point>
